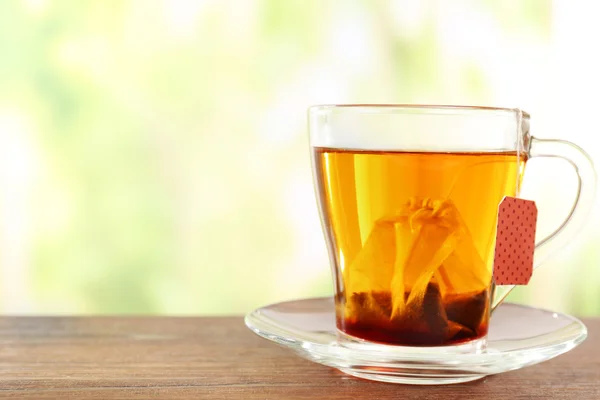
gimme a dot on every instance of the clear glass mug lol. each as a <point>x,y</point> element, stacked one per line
<point>408,198</point>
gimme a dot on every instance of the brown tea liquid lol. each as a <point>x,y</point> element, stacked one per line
<point>412,236</point>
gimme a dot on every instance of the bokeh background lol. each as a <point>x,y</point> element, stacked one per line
<point>154,155</point>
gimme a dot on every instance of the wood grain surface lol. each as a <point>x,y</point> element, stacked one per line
<point>219,358</point>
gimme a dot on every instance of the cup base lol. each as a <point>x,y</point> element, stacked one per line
<point>419,373</point>
<point>476,346</point>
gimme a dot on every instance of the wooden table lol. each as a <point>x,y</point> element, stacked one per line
<point>219,358</point>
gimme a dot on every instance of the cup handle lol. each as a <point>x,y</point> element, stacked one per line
<point>584,201</point>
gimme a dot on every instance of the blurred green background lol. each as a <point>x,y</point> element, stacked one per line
<point>154,155</point>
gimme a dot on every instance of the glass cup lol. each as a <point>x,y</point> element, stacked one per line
<point>408,198</point>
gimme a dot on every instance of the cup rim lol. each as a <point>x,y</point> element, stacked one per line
<point>422,108</point>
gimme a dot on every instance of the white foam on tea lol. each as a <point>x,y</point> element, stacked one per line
<point>383,129</point>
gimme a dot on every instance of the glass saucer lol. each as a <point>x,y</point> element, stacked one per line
<point>519,336</point>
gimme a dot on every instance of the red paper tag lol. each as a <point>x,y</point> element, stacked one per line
<point>515,241</point>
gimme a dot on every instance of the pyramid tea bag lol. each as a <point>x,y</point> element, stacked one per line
<point>411,261</point>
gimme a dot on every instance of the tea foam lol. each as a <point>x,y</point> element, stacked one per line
<point>418,129</point>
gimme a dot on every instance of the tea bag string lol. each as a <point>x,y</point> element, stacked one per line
<point>458,176</point>
<point>456,180</point>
